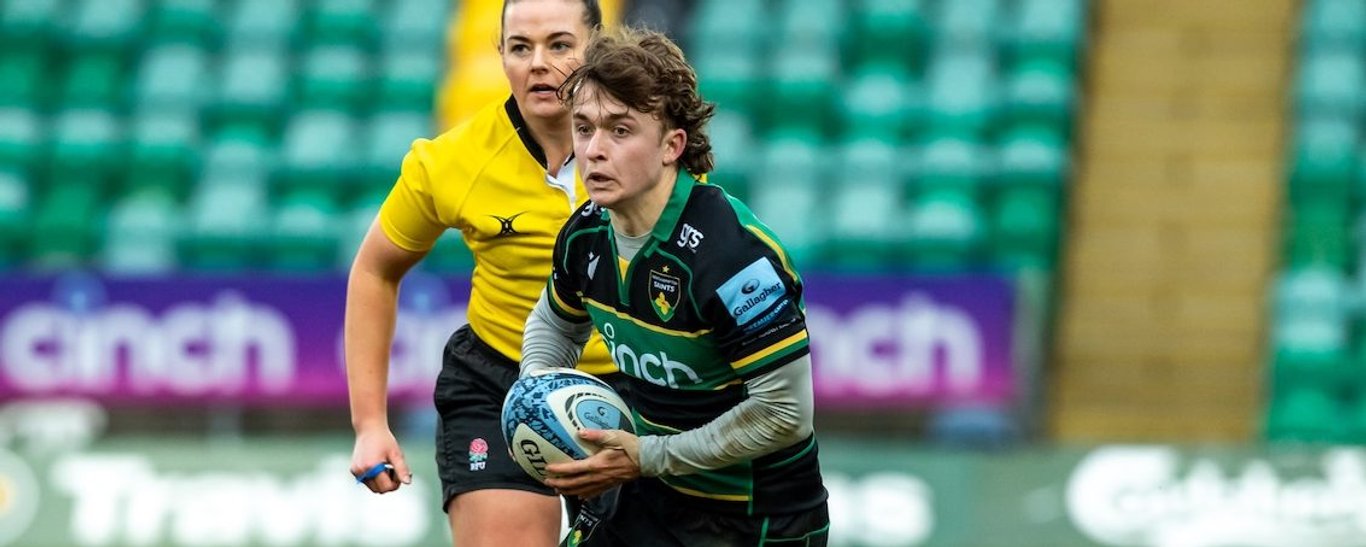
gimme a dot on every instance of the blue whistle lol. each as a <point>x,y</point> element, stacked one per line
<point>374,472</point>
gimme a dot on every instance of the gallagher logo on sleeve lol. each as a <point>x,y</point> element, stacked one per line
<point>748,294</point>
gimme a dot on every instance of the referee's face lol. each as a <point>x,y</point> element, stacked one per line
<point>543,41</point>
<point>623,154</point>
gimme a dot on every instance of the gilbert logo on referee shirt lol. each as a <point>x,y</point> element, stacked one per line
<point>505,227</point>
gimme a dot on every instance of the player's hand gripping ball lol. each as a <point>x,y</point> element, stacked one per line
<point>544,412</point>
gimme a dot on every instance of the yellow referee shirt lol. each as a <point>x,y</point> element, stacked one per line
<point>487,178</point>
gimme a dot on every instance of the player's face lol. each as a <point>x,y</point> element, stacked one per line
<point>622,152</point>
<point>543,41</point>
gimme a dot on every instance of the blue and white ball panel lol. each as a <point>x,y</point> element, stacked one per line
<point>543,414</point>
<point>750,293</point>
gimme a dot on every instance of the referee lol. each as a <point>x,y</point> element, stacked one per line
<point>506,179</point>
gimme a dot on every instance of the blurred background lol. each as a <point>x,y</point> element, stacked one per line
<point>1079,272</point>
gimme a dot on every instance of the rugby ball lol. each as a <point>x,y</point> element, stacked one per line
<point>543,413</point>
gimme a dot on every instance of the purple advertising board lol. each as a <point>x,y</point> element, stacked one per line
<point>883,342</point>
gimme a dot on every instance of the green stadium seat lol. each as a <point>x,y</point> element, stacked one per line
<point>87,144</point>
<point>1317,232</point>
<point>16,202</point>
<point>1048,29</point>
<point>109,27</point>
<point>334,77</point>
<point>408,80</point>
<point>29,24</point>
<point>26,79</point>
<point>263,24</point>
<point>946,229</point>
<point>867,214</point>
<point>252,87</point>
<point>741,27</point>
<point>802,89</point>
<point>21,139</point>
<point>961,90</point>
<point>1304,414</point>
<point>968,22</point>
<point>1025,229</point>
<point>450,255</point>
<point>415,25</point>
<point>1310,337</point>
<point>164,150</point>
<point>1324,159</point>
<point>818,24</point>
<point>894,31</point>
<point>141,234</point>
<point>1357,423</point>
<point>344,22</point>
<point>193,22</point>
<point>305,230</point>
<point>786,192</point>
<point>729,80</point>
<point>95,81</point>
<point>64,229</point>
<point>390,136</point>
<point>877,103</point>
<point>320,152</point>
<point>1040,91</point>
<point>174,76</point>
<point>733,149</point>
<point>224,227</point>
<point>953,162</point>
<point>239,151</point>
<point>1334,24</point>
<point>1032,155</point>
<point>1331,83</point>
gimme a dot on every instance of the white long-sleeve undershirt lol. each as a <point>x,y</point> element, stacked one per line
<point>777,412</point>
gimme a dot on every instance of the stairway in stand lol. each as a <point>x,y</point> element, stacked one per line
<point>1174,222</point>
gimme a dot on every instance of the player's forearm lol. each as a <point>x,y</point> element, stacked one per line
<point>777,414</point>
<point>549,341</point>
<point>368,332</point>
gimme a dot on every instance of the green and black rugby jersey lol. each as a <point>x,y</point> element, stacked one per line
<point>710,300</point>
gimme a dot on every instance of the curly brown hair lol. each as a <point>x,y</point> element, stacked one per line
<point>647,72</point>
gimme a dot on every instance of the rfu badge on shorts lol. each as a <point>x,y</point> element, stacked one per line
<point>665,292</point>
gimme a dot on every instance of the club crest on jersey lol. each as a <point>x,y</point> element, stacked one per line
<point>665,293</point>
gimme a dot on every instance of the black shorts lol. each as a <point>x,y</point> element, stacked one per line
<point>470,451</point>
<point>636,513</point>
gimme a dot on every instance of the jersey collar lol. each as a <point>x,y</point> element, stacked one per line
<point>668,219</point>
<point>524,132</point>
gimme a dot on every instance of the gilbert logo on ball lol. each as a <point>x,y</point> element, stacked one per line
<point>544,412</point>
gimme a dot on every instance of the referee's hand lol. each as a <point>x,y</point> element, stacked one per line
<point>617,462</point>
<point>377,447</point>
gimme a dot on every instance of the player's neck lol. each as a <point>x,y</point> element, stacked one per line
<point>638,216</point>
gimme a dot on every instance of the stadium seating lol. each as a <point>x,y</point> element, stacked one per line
<point>951,126</point>
<point>150,136</point>
<point>1316,348</point>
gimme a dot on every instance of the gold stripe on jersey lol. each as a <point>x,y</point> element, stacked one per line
<point>777,249</point>
<point>487,178</point>
<point>563,306</point>
<point>670,332</point>
<point>701,494</point>
<point>775,348</point>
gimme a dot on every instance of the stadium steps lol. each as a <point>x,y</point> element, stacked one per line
<point>1173,222</point>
